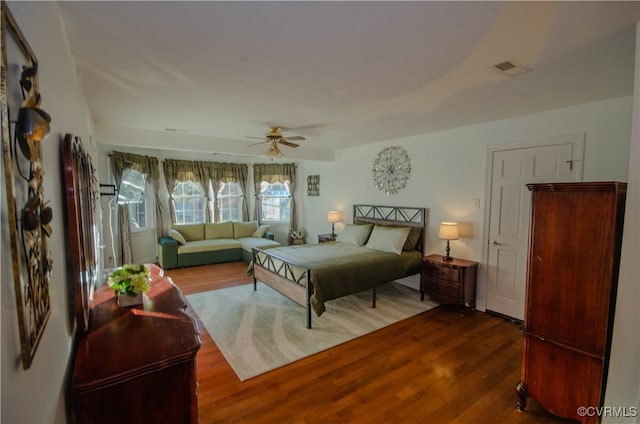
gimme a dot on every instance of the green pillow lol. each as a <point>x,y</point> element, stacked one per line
<point>412,239</point>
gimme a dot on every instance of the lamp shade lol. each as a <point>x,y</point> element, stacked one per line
<point>448,231</point>
<point>334,216</point>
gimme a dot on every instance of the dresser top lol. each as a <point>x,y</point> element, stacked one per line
<point>453,263</point>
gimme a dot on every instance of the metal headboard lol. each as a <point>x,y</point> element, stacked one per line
<point>393,215</point>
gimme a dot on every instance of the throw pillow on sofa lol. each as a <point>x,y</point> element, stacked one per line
<point>175,234</point>
<point>261,231</point>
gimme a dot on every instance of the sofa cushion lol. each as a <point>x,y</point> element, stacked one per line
<point>261,231</point>
<point>248,243</point>
<point>209,245</point>
<point>244,229</point>
<point>218,230</point>
<point>175,234</point>
<point>191,232</point>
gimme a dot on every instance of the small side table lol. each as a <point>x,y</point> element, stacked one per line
<point>449,282</point>
<point>326,237</point>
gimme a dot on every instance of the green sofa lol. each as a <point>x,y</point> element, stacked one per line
<point>210,243</point>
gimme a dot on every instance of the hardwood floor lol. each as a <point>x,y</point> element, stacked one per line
<point>437,367</point>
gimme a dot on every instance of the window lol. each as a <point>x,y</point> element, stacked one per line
<point>229,200</point>
<point>190,203</point>
<point>275,204</point>
<point>133,193</point>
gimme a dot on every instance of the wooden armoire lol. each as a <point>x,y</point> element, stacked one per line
<point>572,278</point>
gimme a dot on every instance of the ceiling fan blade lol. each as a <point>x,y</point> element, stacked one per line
<point>255,138</point>
<point>296,137</point>
<point>286,143</point>
<point>302,127</point>
<point>257,144</point>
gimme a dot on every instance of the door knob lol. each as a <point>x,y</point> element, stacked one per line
<point>495,243</point>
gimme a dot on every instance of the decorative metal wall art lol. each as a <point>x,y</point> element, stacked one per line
<point>24,126</point>
<point>313,185</point>
<point>391,170</point>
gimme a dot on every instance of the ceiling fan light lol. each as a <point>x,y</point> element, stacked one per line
<point>274,152</point>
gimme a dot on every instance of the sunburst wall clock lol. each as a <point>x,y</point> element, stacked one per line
<point>391,169</point>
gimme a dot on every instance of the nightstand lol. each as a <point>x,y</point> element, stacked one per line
<point>326,237</point>
<point>449,282</point>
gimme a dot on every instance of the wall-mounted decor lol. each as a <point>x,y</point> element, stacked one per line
<point>24,126</point>
<point>81,192</point>
<point>391,169</point>
<point>313,185</point>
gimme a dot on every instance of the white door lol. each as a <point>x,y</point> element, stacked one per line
<point>509,215</point>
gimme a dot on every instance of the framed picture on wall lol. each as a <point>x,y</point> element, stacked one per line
<point>313,185</point>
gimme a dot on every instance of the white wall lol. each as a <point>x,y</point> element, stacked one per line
<point>36,395</point>
<point>623,388</point>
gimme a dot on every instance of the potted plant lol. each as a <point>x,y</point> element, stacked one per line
<point>297,236</point>
<point>129,283</point>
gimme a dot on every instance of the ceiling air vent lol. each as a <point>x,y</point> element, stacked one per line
<point>512,69</point>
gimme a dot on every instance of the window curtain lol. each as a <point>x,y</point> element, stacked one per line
<point>276,173</point>
<point>237,173</point>
<point>146,165</point>
<point>212,170</point>
<point>176,171</point>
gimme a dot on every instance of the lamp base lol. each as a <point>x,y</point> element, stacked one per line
<point>447,257</point>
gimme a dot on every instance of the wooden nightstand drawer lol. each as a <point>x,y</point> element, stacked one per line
<point>451,274</point>
<point>445,288</point>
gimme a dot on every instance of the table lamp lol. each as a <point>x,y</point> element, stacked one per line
<point>333,217</point>
<point>448,231</point>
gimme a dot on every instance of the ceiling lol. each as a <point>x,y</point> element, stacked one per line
<point>341,74</point>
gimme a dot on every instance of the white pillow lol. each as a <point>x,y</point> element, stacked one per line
<point>260,231</point>
<point>175,234</point>
<point>388,239</point>
<point>355,234</point>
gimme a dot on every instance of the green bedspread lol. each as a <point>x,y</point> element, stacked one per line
<point>340,269</point>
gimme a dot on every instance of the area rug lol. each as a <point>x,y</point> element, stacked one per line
<point>258,331</point>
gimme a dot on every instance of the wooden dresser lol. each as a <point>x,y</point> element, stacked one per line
<point>137,364</point>
<point>572,277</point>
<point>449,282</point>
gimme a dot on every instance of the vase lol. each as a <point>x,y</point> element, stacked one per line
<point>125,301</point>
<point>298,241</point>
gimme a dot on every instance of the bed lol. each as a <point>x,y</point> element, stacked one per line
<point>313,274</point>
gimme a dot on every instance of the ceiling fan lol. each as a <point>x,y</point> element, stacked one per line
<point>274,137</point>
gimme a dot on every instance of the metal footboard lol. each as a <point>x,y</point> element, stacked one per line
<point>289,279</point>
